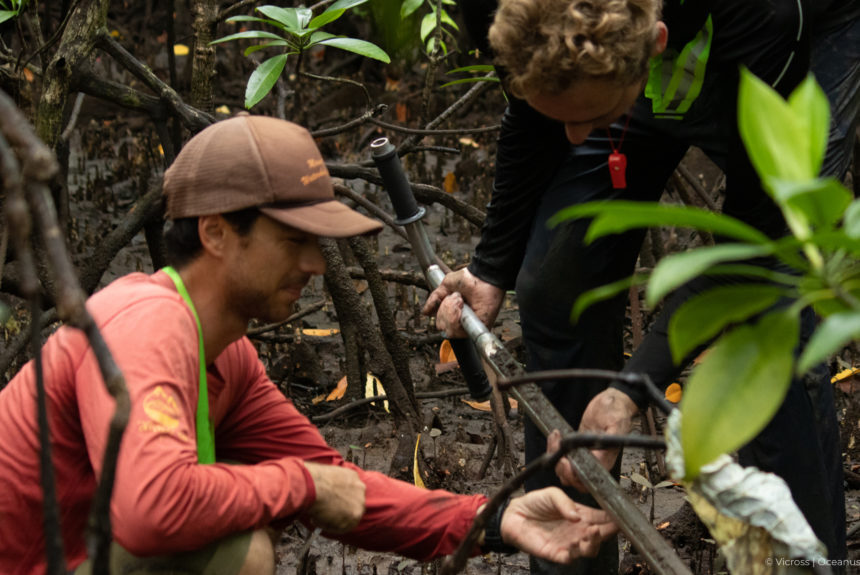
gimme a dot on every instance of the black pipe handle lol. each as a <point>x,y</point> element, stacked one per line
<point>472,369</point>
<point>394,179</point>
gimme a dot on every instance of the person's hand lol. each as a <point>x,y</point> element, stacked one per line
<point>548,524</point>
<point>485,300</point>
<point>610,412</point>
<point>339,505</point>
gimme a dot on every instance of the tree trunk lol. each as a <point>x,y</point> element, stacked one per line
<point>203,64</point>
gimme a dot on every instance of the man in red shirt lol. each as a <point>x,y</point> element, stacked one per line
<point>248,198</point>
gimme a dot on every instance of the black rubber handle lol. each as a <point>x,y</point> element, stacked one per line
<point>473,370</point>
<point>394,179</point>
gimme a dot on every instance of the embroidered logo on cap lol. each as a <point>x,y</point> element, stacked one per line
<point>320,173</point>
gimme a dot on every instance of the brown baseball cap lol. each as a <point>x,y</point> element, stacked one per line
<point>272,164</point>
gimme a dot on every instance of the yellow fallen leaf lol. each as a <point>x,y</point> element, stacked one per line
<point>450,183</point>
<point>28,75</point>
<point>321,398</point>
<point>844,374</point>
<point>338,391</point>
<point>114,33</point>
<point>223,110</point>
<point>401,112</point>
<point>485,405</point>
<point>469,142</point>
<point>372,386</point>
<point>446,352</point>
<point>415,472</point>
<point>180,49</point>
<point>320,332</point>
<point>673,393</point>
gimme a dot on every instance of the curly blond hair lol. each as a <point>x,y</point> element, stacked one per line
<point>548,45</point>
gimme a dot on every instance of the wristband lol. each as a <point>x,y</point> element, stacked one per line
<point>493,533</point>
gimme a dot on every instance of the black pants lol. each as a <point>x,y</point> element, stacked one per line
<point>801,443</point>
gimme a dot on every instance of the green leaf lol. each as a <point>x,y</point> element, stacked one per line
<point>249,34</point>
<point>469,81</point>
<point>304,15</point>
<point>431,42</point>
<point>289,17</point>
<point>345,4</point>
<point>362,47</point>
<point>833,334</point>
<point>473,68</point>
<point>851,220</point>
<point>264,77</point>
<point>822,201</point>
<point>812,110</point>
<point>319,36</point>
<point>428,24</point>
<point>278,43</point>
<point>775,140</point>
<point>408,7</point>
<point>702,317</point>
<point>447,20</point>
<point>673,271</point>
<point>325,18</point>
<point>737,388</point>
<point>250,19</point>
<point>7,15</point>
<point>604,292</point>
<point>619,216</point>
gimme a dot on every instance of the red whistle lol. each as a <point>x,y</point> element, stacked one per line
<point>618,170</point>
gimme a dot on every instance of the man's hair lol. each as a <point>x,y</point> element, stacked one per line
<point>182,239</point>
<point>546,46</point>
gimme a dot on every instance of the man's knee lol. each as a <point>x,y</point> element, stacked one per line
<point>261,554</point>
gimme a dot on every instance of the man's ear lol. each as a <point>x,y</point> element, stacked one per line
<point>214,232</point>
<point>662,38</point>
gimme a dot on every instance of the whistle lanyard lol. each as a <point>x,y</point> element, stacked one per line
<point>205,431</point>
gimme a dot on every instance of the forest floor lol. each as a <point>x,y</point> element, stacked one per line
<point>110,151</point>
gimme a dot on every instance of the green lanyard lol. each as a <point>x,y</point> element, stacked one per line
<point>205,430</point>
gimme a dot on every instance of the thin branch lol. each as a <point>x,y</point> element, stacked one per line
<point>454,563</point>
<point>342,81</point>
<point>365,400</point>
<point>424,193</point>
<point>19,223</point>
<point>697,187</point>
<point>189,116</point>
<point>363,119</point>
<point>395,276</point>
<point>73,119</point>
<point>642,379</point>
<point>434,132</point>
<point>375,210</point>
<point>465,99</point>
<point>294,317</point>
<point>231,10</point>
<point>39,167</point>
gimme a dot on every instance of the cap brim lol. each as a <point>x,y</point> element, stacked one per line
<point>330,219</point>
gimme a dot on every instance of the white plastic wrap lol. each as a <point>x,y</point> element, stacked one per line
<point>749,512</point>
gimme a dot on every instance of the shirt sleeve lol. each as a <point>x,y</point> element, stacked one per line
<point>164,501</point>
<point>530,150</point>
<point>399,517</point>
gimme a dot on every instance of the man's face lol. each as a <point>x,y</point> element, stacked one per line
<point>269,267</point>
<point>587,105</point>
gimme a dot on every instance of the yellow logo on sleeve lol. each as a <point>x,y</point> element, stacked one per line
<point>164,414</point>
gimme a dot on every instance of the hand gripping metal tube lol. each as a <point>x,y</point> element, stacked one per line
<point>653,547</point>
<point>409,216</point>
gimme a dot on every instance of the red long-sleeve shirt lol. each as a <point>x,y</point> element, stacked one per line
<point>164,501</point>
